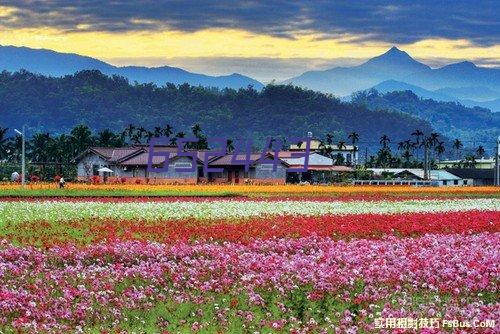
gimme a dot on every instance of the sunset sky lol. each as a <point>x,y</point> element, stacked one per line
<point>266,40</point>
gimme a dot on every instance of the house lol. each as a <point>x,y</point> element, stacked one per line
<point>260,171</point>
<point>415,176</point>
<point>130,165</point>
<point>348,152</point>
<point>320,169</point>
<point>479,176</point>
<point>483,163</point>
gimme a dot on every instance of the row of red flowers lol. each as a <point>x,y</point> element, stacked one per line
<point>244,230</point>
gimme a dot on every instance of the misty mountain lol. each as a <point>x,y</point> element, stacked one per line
<point>57,64</point>
<point>460,81</point>
<point>458,75</point>
<point>445,94</point>
<point>477,93</point>
<point>394,64</point>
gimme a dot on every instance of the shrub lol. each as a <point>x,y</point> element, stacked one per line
<point>34,178</point>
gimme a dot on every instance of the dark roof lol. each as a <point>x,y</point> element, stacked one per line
<point>472,173</point>
<point>111,154</point>
<point>254,157</point>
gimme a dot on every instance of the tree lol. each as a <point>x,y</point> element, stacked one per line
<point>230,146</point>
<point>82,138</point>
<point>457,145</point>
<point>341,145</point>
<point>4,147</point>
<point>384,141</point>
<point>40,147</point>
<point>480,151</point>
<point>407,156</point>
<point>439,149</point>
<point>168,130</point>
<point>329,138</point>
<point>469,162</point>
<point>354,137</point>
<point>418,134</point>
<point>107,138</point>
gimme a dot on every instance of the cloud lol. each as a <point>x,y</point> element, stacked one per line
<point>385,21</point>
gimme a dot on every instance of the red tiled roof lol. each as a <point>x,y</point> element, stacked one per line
<point>113,154</point>
<point>142,159</point>
<point>227,160</point>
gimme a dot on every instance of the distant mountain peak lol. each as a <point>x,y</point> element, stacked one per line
<point>394,55</point>
<point>394,61</point>
<point>395,50</point>
<point>463,64</point>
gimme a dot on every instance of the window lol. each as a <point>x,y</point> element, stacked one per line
<point>182,165</point>
<point>455,182</point>
<point>266,166</point>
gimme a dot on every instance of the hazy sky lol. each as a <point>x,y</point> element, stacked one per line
<point>264,39</point>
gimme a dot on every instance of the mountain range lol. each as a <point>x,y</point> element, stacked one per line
<point>396,70</point>
<point>51,63</point>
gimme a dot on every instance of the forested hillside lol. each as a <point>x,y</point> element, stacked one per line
<point>55,105</point>
<point>472,125</point>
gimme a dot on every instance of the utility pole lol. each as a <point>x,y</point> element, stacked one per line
<point>426,162</point>
<point>23,154</point>
<point>497,163</point>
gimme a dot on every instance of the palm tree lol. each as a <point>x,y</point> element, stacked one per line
<point>434,138</point>
<point>168,130</point>
<point>4,147</point>
<point>480,151</point>
<point>354,137</point>
<point>407,155</point>
<point>106,138</point>
<point>329,138</point>
<point>457,145</point>
<point>401,145</point>
<point>40,147</point>
<point>384,140</point>
<point>196,130</point>
<point>341,145</point>
<point>129,130</point>
<point>81,138</point>
<point>469,161</point>
<point>439,148</point>
<point>148,136</point>
<point>417,133</point>
<point>230,146</point>
<point>158,131</point>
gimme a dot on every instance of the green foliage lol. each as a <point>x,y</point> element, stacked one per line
<point>56,105</point>
<point>448,118</point>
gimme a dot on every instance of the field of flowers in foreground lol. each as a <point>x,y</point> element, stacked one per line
<point>305,284</point>
<point>231,266</point>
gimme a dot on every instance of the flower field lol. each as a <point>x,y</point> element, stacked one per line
<point>290,190</point>
<point>297,264</point>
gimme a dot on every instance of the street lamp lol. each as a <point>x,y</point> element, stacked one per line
<point>23,168</point>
